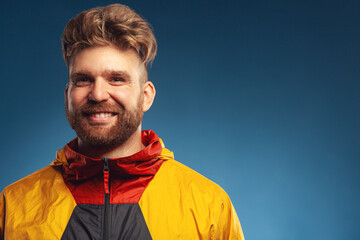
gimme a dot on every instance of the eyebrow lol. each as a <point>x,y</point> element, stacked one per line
<point>107,72</point>
<point>79,74</point>
<point>116,73</point>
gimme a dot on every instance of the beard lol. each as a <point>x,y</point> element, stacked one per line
<point>104,137</point>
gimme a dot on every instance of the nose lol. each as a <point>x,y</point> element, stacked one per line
<point>99,91</point>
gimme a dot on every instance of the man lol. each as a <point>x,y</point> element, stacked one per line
<point>114,181</point>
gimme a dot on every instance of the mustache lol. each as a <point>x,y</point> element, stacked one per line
<point>101,107</point>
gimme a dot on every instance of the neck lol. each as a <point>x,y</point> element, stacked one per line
<point>129,147</point>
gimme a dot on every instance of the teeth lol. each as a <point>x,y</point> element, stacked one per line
<point>101,115</point>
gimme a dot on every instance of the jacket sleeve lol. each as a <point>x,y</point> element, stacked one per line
<point>2,215</point>
<point>229,225</point>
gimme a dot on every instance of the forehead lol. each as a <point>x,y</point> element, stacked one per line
<point>101,59</point>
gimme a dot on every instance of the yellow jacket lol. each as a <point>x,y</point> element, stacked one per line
<point>155,198</point>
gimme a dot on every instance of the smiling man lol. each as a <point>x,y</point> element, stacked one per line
<point>105,100</point>
<point>115,180</point>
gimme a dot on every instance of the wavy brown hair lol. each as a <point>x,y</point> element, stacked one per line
<point>116,25</point>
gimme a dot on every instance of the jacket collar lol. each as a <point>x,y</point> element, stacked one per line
<point>77,166</point>
<point>149,138</point>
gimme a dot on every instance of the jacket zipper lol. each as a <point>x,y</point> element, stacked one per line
<point>106,222</point>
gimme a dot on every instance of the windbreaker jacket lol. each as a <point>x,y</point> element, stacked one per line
<point>148,195</point>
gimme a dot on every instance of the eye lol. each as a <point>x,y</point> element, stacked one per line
<point>80,82</point>
<point>117,80</point>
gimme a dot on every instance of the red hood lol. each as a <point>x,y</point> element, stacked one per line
<point>141,163</point>
<point>129,175</point>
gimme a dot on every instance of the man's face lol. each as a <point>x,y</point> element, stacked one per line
<point>104,99</point>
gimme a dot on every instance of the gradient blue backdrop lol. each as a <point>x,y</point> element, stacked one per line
<point>262,97</point>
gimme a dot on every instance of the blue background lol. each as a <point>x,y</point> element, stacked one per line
<point>262,97</point>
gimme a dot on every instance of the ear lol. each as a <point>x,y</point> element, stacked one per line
<point>149,95</point>
<point>66,93</point>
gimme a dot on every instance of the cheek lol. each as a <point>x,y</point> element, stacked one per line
<point>75,98</point>
<point>125,98</point>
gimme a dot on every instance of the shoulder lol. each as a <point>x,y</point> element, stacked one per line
<point>187,177</point>
<point>28,181</point>
<point>34,185</point>
<point>174,179</point>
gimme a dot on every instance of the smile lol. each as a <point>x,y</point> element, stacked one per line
<point>101,115</point>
